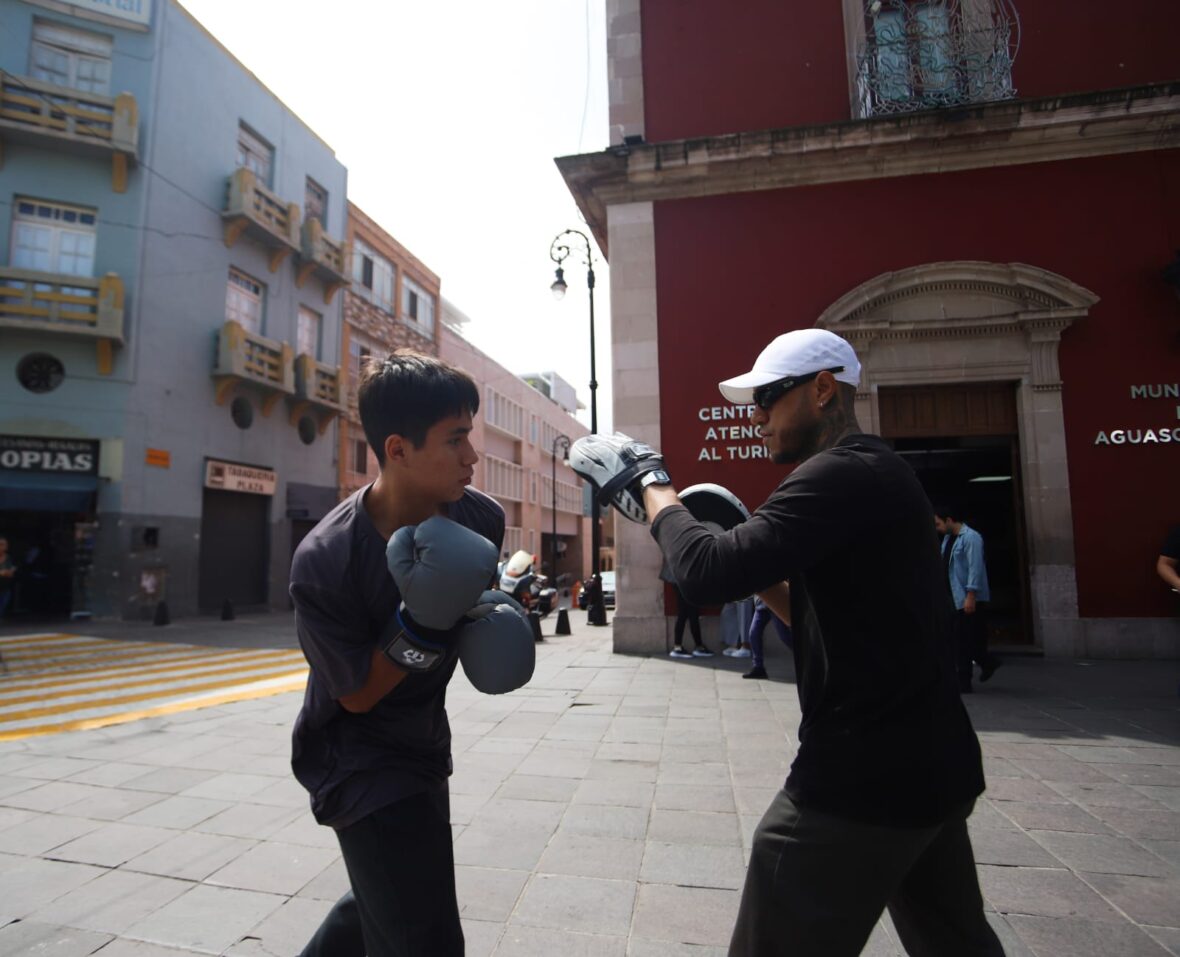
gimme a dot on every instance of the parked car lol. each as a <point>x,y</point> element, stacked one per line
<point>608,591</point>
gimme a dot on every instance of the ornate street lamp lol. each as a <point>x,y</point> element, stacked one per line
<point>563,441</point>
<point>559,251</point>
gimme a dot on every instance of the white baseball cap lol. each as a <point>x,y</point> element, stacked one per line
<point>798,353</point>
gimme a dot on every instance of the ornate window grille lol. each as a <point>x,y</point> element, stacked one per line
<point>931,54</point>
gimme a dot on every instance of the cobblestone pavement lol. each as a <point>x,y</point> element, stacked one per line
<point>605,810</point>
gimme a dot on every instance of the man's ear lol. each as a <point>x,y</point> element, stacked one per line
<point>395,448</point>
<point>827,390</point>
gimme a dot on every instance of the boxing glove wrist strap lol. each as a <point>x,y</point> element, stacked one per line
<point>409,649</point>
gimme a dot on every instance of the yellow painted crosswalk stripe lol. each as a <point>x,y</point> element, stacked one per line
<point>87,724</point>
<point>177,664</point>
<point>75,682</point>
<point>196,671</point>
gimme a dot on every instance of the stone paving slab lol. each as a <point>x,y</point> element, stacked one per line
<point>607,809</point>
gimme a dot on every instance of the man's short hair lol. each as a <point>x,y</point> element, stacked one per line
<point>946,512</point>
<point>406,393</point>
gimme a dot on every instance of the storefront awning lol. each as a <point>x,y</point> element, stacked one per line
<point>46,492</point>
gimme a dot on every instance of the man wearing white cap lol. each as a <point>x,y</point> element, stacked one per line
<point>873,813</point>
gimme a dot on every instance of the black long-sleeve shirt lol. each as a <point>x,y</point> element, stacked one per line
<point>884,736</point>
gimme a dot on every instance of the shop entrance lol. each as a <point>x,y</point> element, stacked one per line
<point>42,546</point>
<point>963,443</point>
<point>235,548</point>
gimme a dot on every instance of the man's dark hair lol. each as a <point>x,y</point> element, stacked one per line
<point>406,393</point>
<point>946,513</point>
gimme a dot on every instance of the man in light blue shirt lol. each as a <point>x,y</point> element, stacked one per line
<point>962,557</point>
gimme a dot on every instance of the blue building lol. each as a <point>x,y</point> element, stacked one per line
<point>171,253</point>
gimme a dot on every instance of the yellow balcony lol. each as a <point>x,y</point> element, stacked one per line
<point>87,123</point>
<point>324,257</point>
<point>253,210</point>
<point>72,305</point>
<point>247,359</point>
<point>317,391</point>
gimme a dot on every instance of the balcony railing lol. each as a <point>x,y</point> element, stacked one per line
<point>317,390</point>
<point>942,53</point>
<point>322,256</point>
<point>73,305</point>
<point>253,210</point>
<point>89,123</point>
<point>246,358</point>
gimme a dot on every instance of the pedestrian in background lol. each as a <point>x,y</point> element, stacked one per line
<point>962,557</point>
<point>7,574</point>
<point>762,616</point>
<point>687,614</point>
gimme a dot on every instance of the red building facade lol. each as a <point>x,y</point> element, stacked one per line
<point>982,196</point>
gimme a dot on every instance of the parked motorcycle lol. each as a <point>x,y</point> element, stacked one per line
<point>529,588</point>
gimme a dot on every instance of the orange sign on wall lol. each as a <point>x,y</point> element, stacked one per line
<point>161,458</point>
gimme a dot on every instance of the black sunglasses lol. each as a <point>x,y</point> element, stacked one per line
<point>765,396</point>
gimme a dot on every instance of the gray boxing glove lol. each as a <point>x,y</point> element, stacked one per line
<point>496,647</point>
<point>440,568</point>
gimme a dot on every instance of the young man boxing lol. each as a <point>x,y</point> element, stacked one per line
<point>389,593</point>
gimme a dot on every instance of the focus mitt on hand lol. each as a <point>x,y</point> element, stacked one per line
<point>497,648</point>
<point>619,468</point>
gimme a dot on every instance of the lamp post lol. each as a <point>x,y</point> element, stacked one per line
<point>562,440</point>
<point>559,251</point>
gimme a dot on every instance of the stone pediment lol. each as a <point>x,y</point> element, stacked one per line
<point>955,299</point>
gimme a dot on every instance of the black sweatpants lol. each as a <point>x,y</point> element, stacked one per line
<point>817,885</point>
<point>401,866</point>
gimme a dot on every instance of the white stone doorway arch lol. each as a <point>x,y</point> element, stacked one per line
<point>963,322</point>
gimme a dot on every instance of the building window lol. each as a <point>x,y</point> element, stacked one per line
<point>359,351</point>
<point>307,333</point>
<point>255,154</point>
<point>417,306</point>
<point>53,237</point>
<point>75,58</point>
<point>244,299</point>
<point>533,430</point>
<point>315,202</point>
<point>927,54</point>
<point>374,274</point>
<point>532,487</point>
<point>360,456</point>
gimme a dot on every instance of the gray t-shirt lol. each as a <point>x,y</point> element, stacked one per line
<point>354,764</point>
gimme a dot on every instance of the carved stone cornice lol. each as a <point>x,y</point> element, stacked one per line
<point>965,301</point>
<point>993,134</point>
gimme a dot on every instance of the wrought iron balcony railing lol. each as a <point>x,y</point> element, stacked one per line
<point>246,358</point>
<point>253,210</point>
<point>57,303</point>
<point>87,123</point>
<point>317,390</point>
<point>322,256</point>
<point>935,54</point>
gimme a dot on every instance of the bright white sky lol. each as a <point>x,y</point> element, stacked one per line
<point>448,116</point>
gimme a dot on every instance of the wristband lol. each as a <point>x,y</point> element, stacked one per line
<point>410,651</point>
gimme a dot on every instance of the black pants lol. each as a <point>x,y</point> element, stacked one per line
<point>401,867</point>
<point>971,643</point>
<point>686,614</point>
<point>817,885</point>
